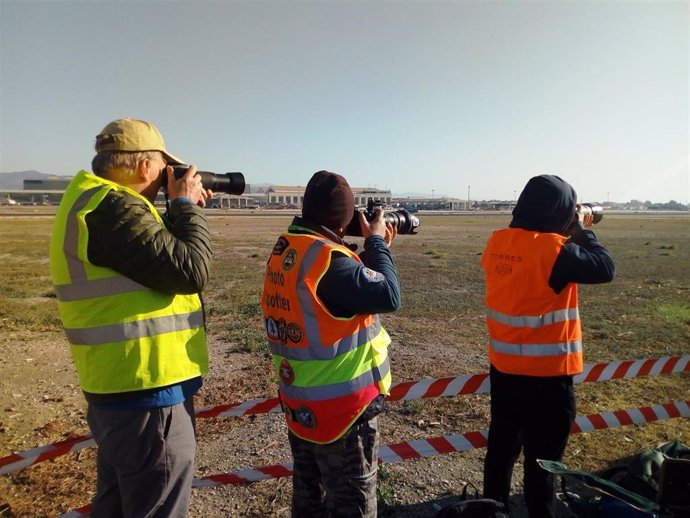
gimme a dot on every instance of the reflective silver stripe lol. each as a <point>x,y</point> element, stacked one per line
<point>382,370</point>
<point>97,288</point>
<point>71,244</point>
<point>536,349</point>
<point>547,319</point>
<point>135,330</point>
<point>345,388</point>
<point>80,287</point>
<point>304,297</point>
<point>318,352</point>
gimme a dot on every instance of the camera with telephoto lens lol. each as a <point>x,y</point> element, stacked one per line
<point>597,211</point>
<point>401,219</point>
<point>229,183</point>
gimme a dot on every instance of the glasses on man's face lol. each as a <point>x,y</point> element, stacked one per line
<point>164,170</point>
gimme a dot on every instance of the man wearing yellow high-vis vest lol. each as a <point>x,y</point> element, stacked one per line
<point>320,303</point>
<point>127,281</point>
<point>535,338</point>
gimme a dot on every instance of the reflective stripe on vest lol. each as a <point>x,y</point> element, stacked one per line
<point>343,346</point>
<point>533,330</point>
<point>326,392</point>
<point>547,319</point>
<point>123,336</point>
<point>338,365</point>
<point>81,287</point>
<point>134,330</point>
<point>536,349</point>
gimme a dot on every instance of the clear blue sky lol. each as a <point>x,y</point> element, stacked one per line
<point>412,96</point>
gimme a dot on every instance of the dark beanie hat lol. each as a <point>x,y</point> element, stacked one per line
<point>328,200</point>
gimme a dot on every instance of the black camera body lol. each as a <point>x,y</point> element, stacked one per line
<point>229,183</point>
<point>401,219</point>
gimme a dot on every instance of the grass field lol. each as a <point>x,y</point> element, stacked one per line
<point>440,331</point>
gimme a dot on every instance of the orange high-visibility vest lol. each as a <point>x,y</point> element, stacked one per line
<point>532,330</point>
<point>328,368</point>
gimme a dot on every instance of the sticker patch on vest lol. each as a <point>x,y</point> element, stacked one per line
<point>286,373</point>
<point>272,329</point>
<point>280,246</point>
<point>294,332</point>
<point>290,259</point>
<point>305,417</point>
<point>372,275</point>
<point>282,330</point>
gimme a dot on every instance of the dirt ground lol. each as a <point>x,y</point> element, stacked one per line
<point>440,332</point>
<point>41,404</point>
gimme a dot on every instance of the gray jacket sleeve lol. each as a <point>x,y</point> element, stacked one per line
<point>174,258</point>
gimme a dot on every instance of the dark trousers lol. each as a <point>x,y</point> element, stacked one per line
<point>145,461</point>
<point>336,479</point>
<point>535,415</point>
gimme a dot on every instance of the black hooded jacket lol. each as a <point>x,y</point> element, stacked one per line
<point>547,204</point>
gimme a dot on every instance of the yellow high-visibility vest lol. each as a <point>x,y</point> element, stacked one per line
<point>123,336</point>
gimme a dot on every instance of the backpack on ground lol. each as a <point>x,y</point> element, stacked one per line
<point>654,483</point>
<point>473,507</point>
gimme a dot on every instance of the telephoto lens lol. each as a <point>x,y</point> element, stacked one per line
<point>595,210</point>
<point>229,183</point>
<point>401,219</point>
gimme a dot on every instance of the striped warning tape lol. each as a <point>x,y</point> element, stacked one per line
<point>17,461</point>
<point>475,384</point>
<point>423,448</point>
<point>405,391</point>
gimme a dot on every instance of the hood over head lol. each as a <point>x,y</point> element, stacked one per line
<point>546,204</point>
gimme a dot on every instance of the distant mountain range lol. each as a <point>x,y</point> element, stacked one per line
<point>15,181</point>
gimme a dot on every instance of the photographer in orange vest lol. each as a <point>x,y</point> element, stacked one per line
<point>535,338</point>
<point>330,353</point>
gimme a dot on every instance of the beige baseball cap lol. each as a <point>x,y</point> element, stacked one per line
<point>133,135</point>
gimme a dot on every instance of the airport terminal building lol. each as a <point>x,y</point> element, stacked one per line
<point>49,191</point>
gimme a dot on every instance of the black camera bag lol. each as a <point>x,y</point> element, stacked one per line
<point>474,507</point>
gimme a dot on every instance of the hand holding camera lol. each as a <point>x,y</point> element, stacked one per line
<point>228,183</point>
<point>586,214</point>
<point>187,185</point>
<point>377,226</point>
<point>589,214</point>
<point>184,181</point>
<point>400,221</point>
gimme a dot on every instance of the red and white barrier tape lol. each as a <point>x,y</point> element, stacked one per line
<point>405,391</point>
<point>474,384</point>
<point>633,368</point>
<point>423,448</point>
<point>17,461</point>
